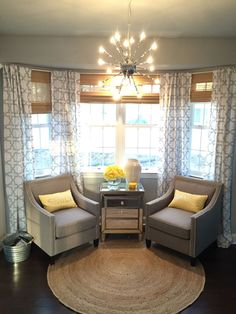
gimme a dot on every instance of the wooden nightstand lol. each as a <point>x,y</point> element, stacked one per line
<point>122,210</point>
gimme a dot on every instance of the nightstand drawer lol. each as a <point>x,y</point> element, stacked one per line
<point>122,212</point>
<point>121,224</point>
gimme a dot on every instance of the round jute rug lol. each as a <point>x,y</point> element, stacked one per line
<point>123,276</point>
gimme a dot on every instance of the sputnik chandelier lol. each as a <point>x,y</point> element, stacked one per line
<point>126,59</point>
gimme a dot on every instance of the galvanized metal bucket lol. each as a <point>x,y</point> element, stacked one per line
<point>16,246</point>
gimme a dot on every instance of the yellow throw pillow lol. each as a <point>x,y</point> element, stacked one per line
<point>187,201</point>
<point>56,201</point>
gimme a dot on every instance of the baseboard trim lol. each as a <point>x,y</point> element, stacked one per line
<point>234,238</point>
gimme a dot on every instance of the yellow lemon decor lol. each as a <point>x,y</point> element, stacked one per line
<point>113,172</point>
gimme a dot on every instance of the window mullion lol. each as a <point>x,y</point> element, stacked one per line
<point>120,134</point>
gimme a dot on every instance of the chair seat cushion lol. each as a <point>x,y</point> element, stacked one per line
<point>73,220</point>
<point>173,221</point>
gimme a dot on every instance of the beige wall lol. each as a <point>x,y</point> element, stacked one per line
<point>82,52</point>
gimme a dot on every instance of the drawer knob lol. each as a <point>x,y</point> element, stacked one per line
<point>122,203</point>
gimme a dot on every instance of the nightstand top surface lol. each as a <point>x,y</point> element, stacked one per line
<point>123,187</point>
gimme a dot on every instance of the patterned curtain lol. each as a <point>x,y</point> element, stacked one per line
<point>18,153</point>
<point>174,127</point>
<point>65,130</point>
<point>224,102</point>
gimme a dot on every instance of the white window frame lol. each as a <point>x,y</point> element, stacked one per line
<point>120,137</point>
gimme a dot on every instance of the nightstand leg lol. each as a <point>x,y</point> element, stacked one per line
<point>140,237</point>
<point>103,237</point>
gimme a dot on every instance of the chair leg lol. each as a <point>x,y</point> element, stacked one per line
<point>52,260</point>
<point>148,243</point>
<point>96,242</point>
<point>193,261</point>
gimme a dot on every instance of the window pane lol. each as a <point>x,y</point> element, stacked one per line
<point>154,137</point>
<point>109,137</point>
<point>96,114</point>
<point>109,114</point>
<point>41,143</point>
<point>84,113</point>
<point>144,137</point>
<point>205,140</point>
<point>196,139</point>
<point>145,114</point>
<point>108,156</point>
<point>96,137</point>
<point>198,114</point>
<point>36,138</point>
<point>96,157</point>
<point>155,114</point>
<point>144,158</point>
<point>45,138</point>
<point>131,113</point>
<point>43,118</point>
<point>131,153</point>
<point>131,137</point>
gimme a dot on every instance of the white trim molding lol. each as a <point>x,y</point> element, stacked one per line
<point>234,238</point>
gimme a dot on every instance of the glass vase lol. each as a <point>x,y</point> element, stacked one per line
<point>113,184</point>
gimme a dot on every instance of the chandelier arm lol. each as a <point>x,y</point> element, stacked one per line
<point>110,78</point>
<point>142,56</point>
<point>121,85</point>
<point>121,51</point>
<point>146,75</point>
<point>136,49</point>
<point>136,88</point>
<point>116,58</point>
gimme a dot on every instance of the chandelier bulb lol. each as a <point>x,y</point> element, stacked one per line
<point>151,68</point>
<point>116,96</point>
<point>132,41</point>
<point>153,46</point>
<point>126,43</point>
<point>157,81</point>
<point>142,36</point>
<point>117,36</point>
<point>109,71</point>
<point>100,83</point>
<point>112,40</point>
<point>101,49</point>
<point>101,61</point>
<point>149,60</point>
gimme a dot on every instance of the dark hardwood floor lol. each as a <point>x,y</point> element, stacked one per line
<point>24,289</point>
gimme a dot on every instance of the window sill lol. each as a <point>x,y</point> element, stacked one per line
<point>99,174</point>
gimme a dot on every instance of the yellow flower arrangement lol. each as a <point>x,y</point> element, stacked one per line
<point>113,172</point>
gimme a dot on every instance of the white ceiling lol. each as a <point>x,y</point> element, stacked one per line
<point>162,18</point>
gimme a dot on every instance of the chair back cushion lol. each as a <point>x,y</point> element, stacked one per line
<point>196,186</point>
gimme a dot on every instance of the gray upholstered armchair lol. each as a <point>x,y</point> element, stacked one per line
<point>186,232</point>
<point>63,229</point>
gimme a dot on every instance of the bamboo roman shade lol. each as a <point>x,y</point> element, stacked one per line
<point>94,93</point>
<point>201,88</point>
<point>41,91</point>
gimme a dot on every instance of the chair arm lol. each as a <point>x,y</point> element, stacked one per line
<point>204,224</point>
<point>85,203</point>
<point>40,223</point>
<point>161,202</point>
